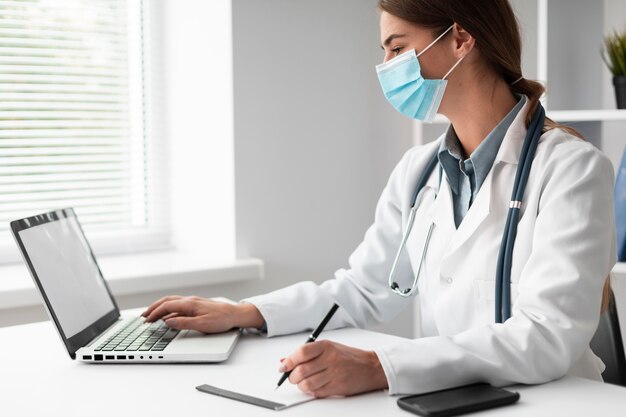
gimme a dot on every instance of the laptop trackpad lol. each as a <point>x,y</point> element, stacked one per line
<point>191,341</point>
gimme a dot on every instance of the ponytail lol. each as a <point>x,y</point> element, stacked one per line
<point>534,91</point>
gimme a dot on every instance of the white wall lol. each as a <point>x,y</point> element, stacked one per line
<point>315,139</point>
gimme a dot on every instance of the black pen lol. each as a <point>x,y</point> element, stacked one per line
<point>312,338</point>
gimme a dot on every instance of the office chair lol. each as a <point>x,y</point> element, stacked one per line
<point>607,344</point>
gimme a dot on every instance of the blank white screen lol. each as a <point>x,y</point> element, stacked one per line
<point>68,274</point>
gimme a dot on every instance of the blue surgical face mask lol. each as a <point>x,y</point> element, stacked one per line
<point>406,89</point>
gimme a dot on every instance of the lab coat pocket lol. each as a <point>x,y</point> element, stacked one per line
<point>486,299</point>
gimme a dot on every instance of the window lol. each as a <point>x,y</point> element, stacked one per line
<point>72,120</point>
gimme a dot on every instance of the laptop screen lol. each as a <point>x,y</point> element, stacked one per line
<point>66,272</point>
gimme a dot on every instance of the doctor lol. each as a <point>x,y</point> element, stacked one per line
<point>563,251</point>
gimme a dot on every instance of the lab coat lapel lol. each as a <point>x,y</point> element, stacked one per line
<point>508,153</point>
<point>477,213</point>
<point>513,141</point>
<point>442,211</point>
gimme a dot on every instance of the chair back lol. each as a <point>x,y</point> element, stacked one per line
<point>608,345</point>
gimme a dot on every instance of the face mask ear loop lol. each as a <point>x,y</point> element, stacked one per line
<point>435,41</point>
<point>453,67</point>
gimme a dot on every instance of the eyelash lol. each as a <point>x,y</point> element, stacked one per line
<point>396,50</point>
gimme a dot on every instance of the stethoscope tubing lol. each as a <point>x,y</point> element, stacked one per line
<point>505,256</point>
<point>430,166</point>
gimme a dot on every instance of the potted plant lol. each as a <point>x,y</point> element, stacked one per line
<point>615,58</point>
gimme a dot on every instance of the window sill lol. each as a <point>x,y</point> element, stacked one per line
<point>135,274</point>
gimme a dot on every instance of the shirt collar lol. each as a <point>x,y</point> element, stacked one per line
<point>484,155</point>
<point>449,155</point>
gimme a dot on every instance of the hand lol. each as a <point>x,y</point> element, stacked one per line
<point>202,314</point>
<point>327,368</point>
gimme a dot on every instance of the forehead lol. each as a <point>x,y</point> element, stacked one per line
<point>393,25</point>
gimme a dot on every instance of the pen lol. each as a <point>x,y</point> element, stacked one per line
<point>312,338</point>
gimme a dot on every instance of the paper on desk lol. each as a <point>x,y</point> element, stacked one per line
<point>258,390</point>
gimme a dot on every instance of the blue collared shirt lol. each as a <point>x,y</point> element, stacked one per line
<point>465,177</point>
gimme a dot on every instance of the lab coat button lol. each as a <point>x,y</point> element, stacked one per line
<point>448,280</point>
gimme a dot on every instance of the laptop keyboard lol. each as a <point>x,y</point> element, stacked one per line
<point>138,335</point>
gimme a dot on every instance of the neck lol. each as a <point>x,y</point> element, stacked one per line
<point>478,109</point>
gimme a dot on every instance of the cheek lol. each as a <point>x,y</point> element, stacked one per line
<point>432,70</point>
<point>436,65</point>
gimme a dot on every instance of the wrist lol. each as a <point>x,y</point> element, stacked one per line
<point>379,379</point>
<point>248,316</point>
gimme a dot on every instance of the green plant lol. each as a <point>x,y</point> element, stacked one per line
<point>614,53</point>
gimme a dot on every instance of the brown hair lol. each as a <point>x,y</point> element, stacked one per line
<point>495,28</point>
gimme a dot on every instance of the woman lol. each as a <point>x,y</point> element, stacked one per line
<point>563,251</point>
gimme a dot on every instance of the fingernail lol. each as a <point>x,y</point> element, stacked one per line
<point>283,368</point>
<point>282,359</point>
<point>170,322</point>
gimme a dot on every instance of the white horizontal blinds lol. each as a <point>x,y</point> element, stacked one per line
<point>71,121</point>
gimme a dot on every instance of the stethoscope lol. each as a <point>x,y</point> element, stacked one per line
<point>505,256</point>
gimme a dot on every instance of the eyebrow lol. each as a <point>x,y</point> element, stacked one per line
<point>391,38</point>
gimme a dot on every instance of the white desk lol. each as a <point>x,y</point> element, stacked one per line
<point>40,379</point>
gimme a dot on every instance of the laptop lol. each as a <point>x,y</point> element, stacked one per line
<point>84,311</point>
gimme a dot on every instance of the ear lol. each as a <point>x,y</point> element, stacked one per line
<point>463,41</point>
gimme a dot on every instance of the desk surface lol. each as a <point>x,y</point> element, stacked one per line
<point>39,379</point>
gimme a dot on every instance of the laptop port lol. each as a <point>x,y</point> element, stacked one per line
<point>109,357</point>
<point>131,357</point>
<point>97,357</point>
<point>160,357</point>
<point>121,356</point>
<point>86,357</point>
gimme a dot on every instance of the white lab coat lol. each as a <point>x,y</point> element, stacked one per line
<point>563,252</point>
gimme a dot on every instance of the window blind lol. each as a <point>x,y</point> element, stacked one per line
<point>71,112</point>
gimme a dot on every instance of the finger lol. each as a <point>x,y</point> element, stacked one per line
<point>184,323</point>
<point>198,323</point>
<point>169,316</point>
<point>306,370</point>
<point>324,391</point>
<point>303,354</point>
<point>158,302</point>
<point>313,384</point>
<point>183,307</point>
